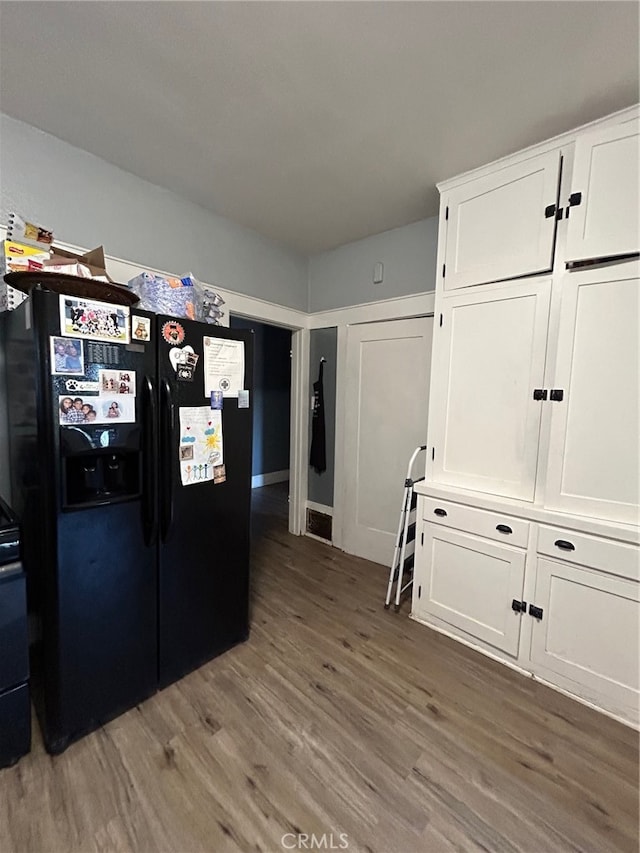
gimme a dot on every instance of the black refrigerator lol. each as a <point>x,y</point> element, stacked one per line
<point>130,447</point>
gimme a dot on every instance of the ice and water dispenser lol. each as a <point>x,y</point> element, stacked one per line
<point>100,464</point>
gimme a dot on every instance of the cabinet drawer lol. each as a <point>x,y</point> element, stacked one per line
<point>616,558</point>
<point>491,525</point>
<point>14,644</point>
<point>15,725</point>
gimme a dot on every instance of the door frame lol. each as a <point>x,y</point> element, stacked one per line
<point>298,412</point>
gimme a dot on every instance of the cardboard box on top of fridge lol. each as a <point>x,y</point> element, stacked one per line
<point>20,257</point>
<point>89,265</point>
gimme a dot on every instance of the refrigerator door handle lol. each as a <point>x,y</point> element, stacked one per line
<point>166,461</point>
<point>150,478</point>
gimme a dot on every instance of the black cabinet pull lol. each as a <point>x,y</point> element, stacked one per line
<point>503,528</point>
<point>564,545</point>
<point>440,512</point>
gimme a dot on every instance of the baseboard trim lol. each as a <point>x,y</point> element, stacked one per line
<point>269,478</point>
<point>527,673</point>
<point>325,510</point>
<point>318,538</point>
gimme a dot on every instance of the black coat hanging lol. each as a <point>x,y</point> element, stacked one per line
<point>318,455</point>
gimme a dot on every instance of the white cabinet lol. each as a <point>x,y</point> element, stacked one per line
<point>603,216</point>
<point>569,614</point>
<point>489,357</point>
<point>594,452</point>
<point>534,412</point>
<point>586,640</point>
<point>502,225</point>
<point>469,583</point>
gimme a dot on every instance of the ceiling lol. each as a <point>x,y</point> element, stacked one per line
<point>314,123</point>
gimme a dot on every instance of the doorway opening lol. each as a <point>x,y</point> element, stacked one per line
<point>323,357</point>
<point>271,404</point>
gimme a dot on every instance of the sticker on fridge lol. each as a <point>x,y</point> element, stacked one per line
<point>200,448</point>
<point>141,328</point>
<point>98,321</point>
<point>223,366</point>
<point>81,385</point>
<point>173,333</point>
<point>117,381</point>
<point>75,410</point>
<point>184,362</point>
<point>67,356</point>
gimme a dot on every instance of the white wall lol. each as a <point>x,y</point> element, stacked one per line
<point>88,202</point>
<point>344,276</point>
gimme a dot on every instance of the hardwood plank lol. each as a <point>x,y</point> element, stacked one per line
<point>335,717</point>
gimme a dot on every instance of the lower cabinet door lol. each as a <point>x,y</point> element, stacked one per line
<point>470,583</point>
<point>586,640</point>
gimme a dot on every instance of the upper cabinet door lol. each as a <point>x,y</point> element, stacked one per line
<point>603,212</point>
<point>594,450</point>
<point>488,357</point>
<point>503,225</point>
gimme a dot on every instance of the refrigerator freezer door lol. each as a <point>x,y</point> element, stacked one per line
<point>106,620</point>
<point>93,583</point>
<point>205,525</point>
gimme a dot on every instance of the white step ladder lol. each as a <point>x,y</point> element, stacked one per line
<point>404,553</point>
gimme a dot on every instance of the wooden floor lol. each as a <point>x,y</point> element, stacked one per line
<point>336,717</point>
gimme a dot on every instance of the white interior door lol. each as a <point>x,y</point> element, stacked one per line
<point>387,392</point>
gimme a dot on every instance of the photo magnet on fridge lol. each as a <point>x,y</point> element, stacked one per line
<point>217,399</point>
<point>140,328</point>
<point>98,321</point>
<point>243,399</point>
<point>117,381</point>
<point>67,356</point>
<point>101,410</point>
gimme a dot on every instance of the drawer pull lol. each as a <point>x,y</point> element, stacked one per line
<point>440,512</point>
<point>503,528</point>
<point>564,545</point>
